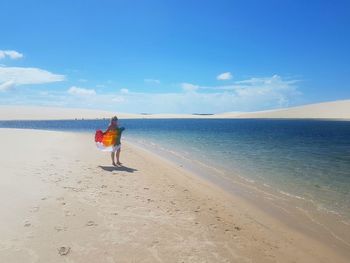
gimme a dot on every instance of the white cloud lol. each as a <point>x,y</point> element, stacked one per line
<point>124,91</point>
<point>224,76</point>
<point>118,99</point>
<point>12,54</point>
<point>265,91</point>
<point>247,95</point>
<point>273,88</point>
<point>7,85</point>
<point>266,80</point>
<point>188,87</point>
<point>153,81</point>
<point>25,76</point>
<point>81,91</point>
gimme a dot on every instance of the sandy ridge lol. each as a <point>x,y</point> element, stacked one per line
<point>326,110</point>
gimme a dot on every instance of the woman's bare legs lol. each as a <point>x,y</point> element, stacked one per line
<point>112,156</point>
<point>117,154</point>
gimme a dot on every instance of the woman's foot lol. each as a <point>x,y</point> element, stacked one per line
<point>119,163</point>
<point>114,164</point>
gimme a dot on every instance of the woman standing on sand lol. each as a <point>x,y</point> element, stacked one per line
<point>113,126</point>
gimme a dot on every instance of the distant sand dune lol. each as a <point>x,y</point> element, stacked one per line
<point>327,110</point>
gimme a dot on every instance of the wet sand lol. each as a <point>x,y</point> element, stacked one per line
<point>62,201</point>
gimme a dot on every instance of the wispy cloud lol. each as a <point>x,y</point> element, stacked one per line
<point>246,95</point>
<point>12,54</point>
<point>258,93</point>
<point>274,87</point>
<point>16,76</point>
<point>118,99</point>
<point>7,85</point>
<point>188,87</point>
<point>81,91</point>
<point>153,81</point>
<point>224,76</point>
<point>124,91</point>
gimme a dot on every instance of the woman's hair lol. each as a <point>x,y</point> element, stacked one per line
<point>115,118</point>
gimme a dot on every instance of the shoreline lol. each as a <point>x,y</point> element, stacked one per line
<point>294,212</point>
<point>194,219</point>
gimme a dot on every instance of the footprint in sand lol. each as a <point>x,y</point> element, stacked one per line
<point>91,223</point>
<point>63,251</point>
<point>68,213</point>
<point>198,209</point>
<point>60,228</point>
<point>34,209</point>
<point>27,224</point>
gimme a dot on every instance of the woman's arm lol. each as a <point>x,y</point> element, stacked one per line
<point>109,127</point>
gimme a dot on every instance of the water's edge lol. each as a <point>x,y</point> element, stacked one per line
<point>295,213</point>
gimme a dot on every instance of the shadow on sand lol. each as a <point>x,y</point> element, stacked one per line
<point>118,168</point>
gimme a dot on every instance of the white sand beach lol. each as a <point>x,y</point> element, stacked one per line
<point>327,110</point>
<point>62,201</point>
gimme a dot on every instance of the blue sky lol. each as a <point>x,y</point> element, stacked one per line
<point>174,56</point>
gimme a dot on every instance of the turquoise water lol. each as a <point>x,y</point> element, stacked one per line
<point>309,160</point>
